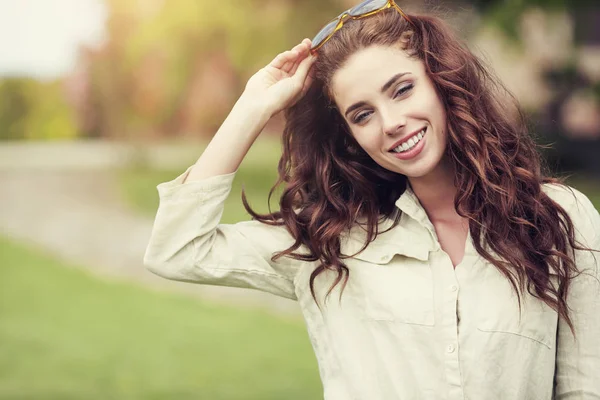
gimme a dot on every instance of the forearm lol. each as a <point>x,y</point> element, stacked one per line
<point>189,244</point>
<point>232,141</point>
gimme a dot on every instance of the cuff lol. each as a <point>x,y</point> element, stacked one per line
<point>177,187</point>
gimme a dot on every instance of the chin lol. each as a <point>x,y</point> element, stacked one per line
<point>419,169</point>
<point>417,174</point>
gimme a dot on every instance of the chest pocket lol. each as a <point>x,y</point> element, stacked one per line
<point>393,284</point>
<point>538,322</point>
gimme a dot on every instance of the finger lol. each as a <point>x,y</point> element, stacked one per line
<point>304,67</point>
<point>301,50</point>
<point>307,42</point>
<point>291,65</point>
<point>305,86</point>
<point>300,47</point>
<point>290,55</point>
<point>307,83</point>
<point>305,52</point>
<point>282,58</point>
<point>288,67</point>
<point>294,67</point>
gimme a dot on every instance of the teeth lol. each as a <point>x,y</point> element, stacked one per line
<point>410,143</point>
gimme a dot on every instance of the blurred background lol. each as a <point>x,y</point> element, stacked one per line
<point>102,100</point>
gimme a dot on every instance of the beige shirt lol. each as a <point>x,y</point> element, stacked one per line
<point>409,325</point>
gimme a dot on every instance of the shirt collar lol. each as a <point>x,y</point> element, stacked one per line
<point>409,204</point>
<point>414,236</point>
<point>400,240</point>
<point>411,238</point>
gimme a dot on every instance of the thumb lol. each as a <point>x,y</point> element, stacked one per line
<point>304,68</point>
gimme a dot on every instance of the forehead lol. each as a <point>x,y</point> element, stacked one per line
<point>367,70</point>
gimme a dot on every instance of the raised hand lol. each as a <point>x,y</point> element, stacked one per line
<point>284,80</point>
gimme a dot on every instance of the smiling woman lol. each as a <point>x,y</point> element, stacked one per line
<point>405,106</point>
<point>430,255</point>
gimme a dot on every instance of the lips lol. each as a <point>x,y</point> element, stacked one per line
<point>399,142</point>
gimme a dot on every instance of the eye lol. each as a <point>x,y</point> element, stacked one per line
<point>403,89</point>
<point>361,116</point>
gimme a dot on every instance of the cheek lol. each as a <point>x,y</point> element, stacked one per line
<point>429,99</point>
<point>363,135</point>
<point>442,110</point>
<point>443,123</point>
<point>364,144</point>
<point>439,109</point>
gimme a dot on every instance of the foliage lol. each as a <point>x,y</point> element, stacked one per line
<point>506,13</point>
<point>154,72</point>
<point>175,68</point>
<point>30,109</point>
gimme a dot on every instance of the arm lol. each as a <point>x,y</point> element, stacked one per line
<point>187,242</point>
<point>577,375</point>
<point>275,87</point>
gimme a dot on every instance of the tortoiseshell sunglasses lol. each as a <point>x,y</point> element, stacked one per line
<point>364,9</point>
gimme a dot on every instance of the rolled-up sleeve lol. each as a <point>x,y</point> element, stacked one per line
<point>189,244</point>
<point>578,359</point>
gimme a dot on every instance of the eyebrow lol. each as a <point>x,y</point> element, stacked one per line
<point>384,88</point>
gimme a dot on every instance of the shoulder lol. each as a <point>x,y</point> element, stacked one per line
<point>584,215</point>
<point>571,199</point>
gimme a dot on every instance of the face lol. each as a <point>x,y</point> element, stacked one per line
<point>387,98</point>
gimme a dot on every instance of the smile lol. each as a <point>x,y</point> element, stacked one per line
<point>409,144</point>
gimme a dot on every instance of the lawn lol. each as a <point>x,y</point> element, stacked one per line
<point>65,334</point>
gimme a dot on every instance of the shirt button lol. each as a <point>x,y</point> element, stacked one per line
<point>450,348</point>
<point>454,288</point>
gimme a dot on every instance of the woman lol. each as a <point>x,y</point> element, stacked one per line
<point>430,256</point>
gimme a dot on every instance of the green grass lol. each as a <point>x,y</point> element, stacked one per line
<point>258,173</point>
<point>65,334</point>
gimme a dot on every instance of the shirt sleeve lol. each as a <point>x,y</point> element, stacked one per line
<point>577,375</point>
<point>189,244</point>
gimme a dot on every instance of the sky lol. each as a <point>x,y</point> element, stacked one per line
<point>40,38</point>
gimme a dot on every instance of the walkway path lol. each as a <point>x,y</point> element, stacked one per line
<point>64,198</point>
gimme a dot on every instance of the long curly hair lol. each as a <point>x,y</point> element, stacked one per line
<point>331,182</point>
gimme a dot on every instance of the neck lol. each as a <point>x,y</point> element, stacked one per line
<point>436,192</point>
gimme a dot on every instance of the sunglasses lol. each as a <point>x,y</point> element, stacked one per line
<point>364,9</point>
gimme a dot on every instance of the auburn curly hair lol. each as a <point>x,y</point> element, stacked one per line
<point>331,182</point>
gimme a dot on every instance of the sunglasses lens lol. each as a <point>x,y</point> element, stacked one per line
<point>324,33</point>
<point>366,7</point>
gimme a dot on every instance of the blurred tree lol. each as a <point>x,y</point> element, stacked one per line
<point>169,68</point>
<point>13,108</point>
<point>507,13</point>
<point>30,109</point>
<point>175,68</point>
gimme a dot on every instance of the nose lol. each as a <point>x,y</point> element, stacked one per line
<point>392,121</point>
